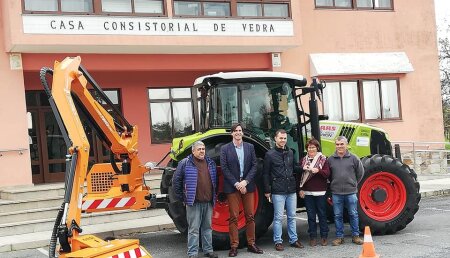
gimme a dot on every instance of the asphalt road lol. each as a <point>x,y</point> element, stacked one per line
<point>427,236</point>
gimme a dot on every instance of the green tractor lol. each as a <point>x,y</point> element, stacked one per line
<point>265,102</point>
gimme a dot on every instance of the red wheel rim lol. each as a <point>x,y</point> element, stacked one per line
<point>221,213</point>
<point>395,198</point>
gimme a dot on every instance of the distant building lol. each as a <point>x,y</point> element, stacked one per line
<point>379,58</point>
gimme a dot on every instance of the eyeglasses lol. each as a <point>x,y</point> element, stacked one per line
<point>312,147</point>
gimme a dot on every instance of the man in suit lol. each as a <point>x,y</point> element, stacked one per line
<point>238,163</point>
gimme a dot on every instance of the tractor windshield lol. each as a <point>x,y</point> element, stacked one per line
<point>263,107</point>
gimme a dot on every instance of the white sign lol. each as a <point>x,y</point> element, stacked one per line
<point>276,59</point>
<point>149,26</point>
<point>329,131</point>
<point>362,141</point>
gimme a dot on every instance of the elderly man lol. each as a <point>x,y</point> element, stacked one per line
<point>346,172</point>
<point>195,182</point>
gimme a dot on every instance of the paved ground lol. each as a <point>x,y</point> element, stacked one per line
<point>431,185</point>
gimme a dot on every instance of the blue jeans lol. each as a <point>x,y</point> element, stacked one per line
<point>199,218</point>
<point>279,202</point>
<point>350,201</point>
<point>317,206</point>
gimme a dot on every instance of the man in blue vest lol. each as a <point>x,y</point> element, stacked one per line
<point>195,183</point>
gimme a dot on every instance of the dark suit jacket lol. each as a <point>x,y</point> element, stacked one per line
<point>231,170</point>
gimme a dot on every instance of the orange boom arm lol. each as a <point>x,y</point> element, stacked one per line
<point>110,186</point>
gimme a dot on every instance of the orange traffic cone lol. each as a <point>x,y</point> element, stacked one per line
<point>368,247</point>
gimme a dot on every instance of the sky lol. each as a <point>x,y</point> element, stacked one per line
<point>442,17</point>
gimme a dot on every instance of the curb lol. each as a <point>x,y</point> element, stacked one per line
<point>442,192</point>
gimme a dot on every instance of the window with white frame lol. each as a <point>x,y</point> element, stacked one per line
<point>148,7</point>
<point>171,113</point>
<point>355,4</point>
<point>362,100</point>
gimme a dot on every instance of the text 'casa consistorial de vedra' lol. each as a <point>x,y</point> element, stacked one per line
<point>97,25</point>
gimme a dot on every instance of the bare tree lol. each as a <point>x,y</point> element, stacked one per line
<point>444,63</point>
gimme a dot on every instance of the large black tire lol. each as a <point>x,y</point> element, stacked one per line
<point>177,211</point>
<point>174,208</point>
<point>388,195</point>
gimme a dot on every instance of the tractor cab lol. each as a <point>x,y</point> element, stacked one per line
<point>262,101</point>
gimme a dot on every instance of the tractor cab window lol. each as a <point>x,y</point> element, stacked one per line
<point>263,107</point>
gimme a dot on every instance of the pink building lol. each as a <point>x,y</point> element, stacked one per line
<point>378,57</point>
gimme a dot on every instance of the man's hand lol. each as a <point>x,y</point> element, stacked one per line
<point>301,194</point>
<point>314,170</point>
<point>243,183</point>
<point>243,190</point>
<point>238,186</point>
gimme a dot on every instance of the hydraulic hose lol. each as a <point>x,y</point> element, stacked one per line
<point>44,71</point>
<point>53,238</point>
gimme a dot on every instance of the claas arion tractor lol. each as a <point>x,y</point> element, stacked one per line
<point>264,102</point>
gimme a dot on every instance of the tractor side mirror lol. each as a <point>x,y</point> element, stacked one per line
<point>294,133</point>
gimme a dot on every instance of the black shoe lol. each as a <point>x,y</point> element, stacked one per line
<point>254,249</point>
<point>211,255</point>
<point>297,244</point>
<point>279,247</point>
<point>233,252</point>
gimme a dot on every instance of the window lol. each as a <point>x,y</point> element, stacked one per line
<point>355,4</point>
<point>374,4</point>
<point>44,5</point>
<point>362,100</point>
<point>171,113</point>
<point>132,6</point>
<point>341,101</point>
<point>232,8</point>
<point>201,8</point>
<point>263,9</point>
<point>155,7</point>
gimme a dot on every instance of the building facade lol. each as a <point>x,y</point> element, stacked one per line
<point>378,57</point>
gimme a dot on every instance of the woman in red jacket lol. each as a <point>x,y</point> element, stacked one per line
<point>313,187</point>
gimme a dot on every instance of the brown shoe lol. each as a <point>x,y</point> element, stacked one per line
<point>312,242</point>
<point>324,242</point>
<point>279,247</point>
<point>338,241</point>
<point>357,240</point>
<point>233,252</point>
<point>297,244</point>
<point>254,249</point>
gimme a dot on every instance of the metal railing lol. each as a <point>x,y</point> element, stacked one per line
<point>19,150</point>
<point>425,157</point>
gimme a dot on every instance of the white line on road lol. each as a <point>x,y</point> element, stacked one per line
<point>43,251</point>
<point>419,235</point>
<point>436,209</point>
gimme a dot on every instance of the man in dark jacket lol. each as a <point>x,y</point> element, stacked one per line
<point>238,163</point>
<point>280,185</point>
<point>195,183</point>
<point>346,172</point>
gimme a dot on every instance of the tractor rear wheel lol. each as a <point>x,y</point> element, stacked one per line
<point>388,195</point>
